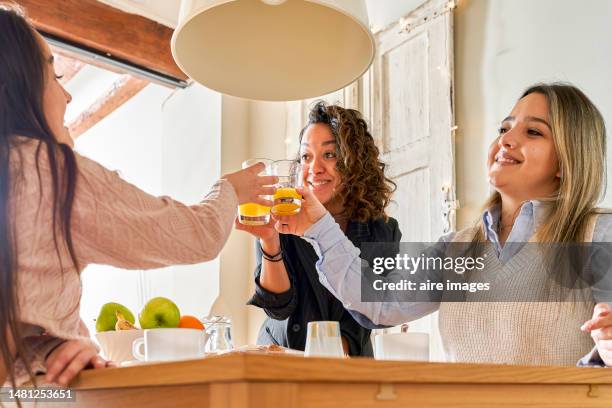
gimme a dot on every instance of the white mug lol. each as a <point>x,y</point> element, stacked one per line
<point>169,345</point>
<point>402,346</point>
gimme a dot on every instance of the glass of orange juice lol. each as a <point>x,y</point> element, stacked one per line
<point>252,213</point>
<point>287,201</point>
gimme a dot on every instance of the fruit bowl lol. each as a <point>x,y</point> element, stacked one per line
<point>117,345</point>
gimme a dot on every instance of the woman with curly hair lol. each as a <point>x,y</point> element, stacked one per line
<point>341,167</point>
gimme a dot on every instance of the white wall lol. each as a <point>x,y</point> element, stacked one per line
<point>502,47</point>
<point>267,138</point>
<point>235,259</point>
<point>191,164</point>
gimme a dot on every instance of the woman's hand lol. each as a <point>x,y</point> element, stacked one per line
<point>311,212</point>
<point>263,232</point>
<point>600,327</point>
<point>68,359</point>
<point>249,186</point>
<point>268,236</point>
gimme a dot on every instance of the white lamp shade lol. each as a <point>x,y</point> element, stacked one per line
<point>273,50</point>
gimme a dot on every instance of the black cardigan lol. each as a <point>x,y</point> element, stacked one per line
<point>307,300</point>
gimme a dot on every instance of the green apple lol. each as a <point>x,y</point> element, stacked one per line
<point>158,313</point>
<point>107,317</point>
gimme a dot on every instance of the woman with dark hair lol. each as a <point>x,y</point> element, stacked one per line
<point>60,211</point>
<point>341,167</point>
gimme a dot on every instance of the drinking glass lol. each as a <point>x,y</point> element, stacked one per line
<point>219,331</point>
<point>253,213</point>
<point>287,201</point>
<point>323,340</point>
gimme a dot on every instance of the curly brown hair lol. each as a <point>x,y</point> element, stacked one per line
<point>367,191</point>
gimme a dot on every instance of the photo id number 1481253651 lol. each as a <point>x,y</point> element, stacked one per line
<point>30,394</point>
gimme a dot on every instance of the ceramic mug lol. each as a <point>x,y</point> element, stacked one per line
<point>402,346</point>
<point>169,345</point>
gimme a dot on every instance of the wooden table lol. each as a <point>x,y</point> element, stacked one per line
<point>251,380</point>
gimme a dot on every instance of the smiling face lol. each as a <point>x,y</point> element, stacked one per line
<point>55,98</point>
<point>318,158</point>
<point>522,161</point>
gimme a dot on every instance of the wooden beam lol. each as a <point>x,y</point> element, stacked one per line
<point>107,30</point>
<point>120,92</point>
<point>67,67</point>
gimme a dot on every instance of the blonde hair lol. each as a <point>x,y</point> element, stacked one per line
<point>579,135</point>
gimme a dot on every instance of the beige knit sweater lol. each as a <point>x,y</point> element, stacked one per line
<point>527,333</point>
<point>113,223</point>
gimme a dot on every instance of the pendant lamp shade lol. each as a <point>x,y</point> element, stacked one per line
<point>274,50</point>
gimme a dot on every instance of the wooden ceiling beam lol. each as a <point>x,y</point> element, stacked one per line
<point>120,92</point>
<point>106,30</point>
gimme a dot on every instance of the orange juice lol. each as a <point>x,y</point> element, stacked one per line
<point>253,214</point>
<point>287,201</point>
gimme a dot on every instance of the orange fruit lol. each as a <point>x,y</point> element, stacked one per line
<point>190,322</point>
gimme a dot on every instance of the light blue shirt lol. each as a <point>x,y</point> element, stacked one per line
<point>339,265</point>
<point>530,216</point>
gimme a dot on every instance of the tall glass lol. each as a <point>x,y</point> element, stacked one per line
<point>287,201</point>
<point>253,213</point>
<point>323,340</point>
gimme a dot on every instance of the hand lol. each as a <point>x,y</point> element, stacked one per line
<point>68,359</point>
<point>311,212</point>
<point>600,327</point>
<point>249,186</point>
<point>263,232</point>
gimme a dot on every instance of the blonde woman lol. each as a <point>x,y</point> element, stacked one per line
<point>547,167</point>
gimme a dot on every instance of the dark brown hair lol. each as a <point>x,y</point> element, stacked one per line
<point>23,72</point>
<point>367,191</point>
